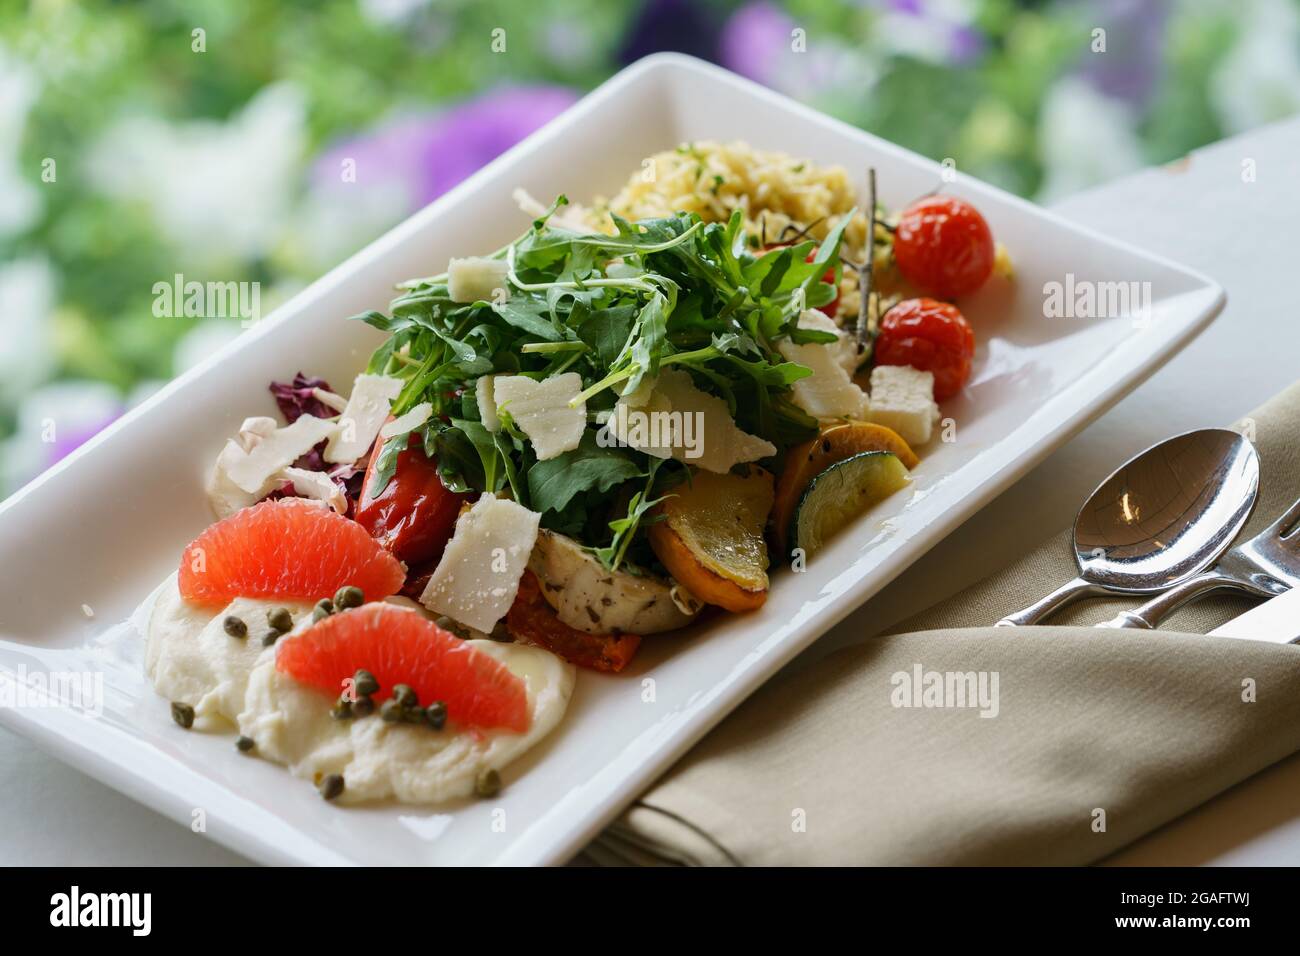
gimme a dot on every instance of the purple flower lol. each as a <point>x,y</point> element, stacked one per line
<point>754,39</point>
<point>1130,67</point>
<point>424,156</point>
<point>68,440</point>
<point>680,26</point>
<point>931,30</point>
<point>966,44</point>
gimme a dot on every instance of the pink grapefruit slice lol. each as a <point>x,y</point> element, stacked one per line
<point>404,647</point>
<point>289,549</point>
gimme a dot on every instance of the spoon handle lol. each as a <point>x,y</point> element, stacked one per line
<point>1057,599</point>
<point>1150,614</point>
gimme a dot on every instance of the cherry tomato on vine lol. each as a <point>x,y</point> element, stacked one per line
<point>944,247</point>
<point>929,335</point>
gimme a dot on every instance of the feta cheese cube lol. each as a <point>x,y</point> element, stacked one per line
<point>902,398</point>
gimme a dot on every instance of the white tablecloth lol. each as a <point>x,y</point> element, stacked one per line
<point>1202,212</point>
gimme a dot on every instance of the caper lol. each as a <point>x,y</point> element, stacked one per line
<point>488,783</point>
<point>363,707</point>
<point>244,744</point>
<point>364,683</point>
<point>235,626</point>
<point>391,711</point>
<point>183,714</point>
<point>280,619</point>
<point>323,609</point>
<point>405,695</point>
<point>331,785</point>
<point>436,715</point>
<point>413,715</point>
<point>342,710</point>
<point>348,596</point>
<point>270,637</point>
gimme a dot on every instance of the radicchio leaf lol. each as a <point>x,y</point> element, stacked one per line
<point>296,399</point>
<point>349,478</point>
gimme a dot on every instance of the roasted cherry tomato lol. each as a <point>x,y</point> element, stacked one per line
<point>929,335</point>
<point>944,247</point>
<point>414,516</point>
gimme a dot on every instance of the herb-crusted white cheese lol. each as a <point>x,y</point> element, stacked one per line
<point>589,597</point>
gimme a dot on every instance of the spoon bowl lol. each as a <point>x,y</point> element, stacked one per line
<point>1160,518</point>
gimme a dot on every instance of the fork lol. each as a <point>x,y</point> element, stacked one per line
<point>1265,566</point>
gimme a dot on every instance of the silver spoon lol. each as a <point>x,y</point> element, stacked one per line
<point>1162,517</point>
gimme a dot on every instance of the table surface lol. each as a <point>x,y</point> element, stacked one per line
<point>1202,212</point>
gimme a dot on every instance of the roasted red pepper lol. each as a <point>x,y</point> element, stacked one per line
<point>532,621</point>
<point>413,517</point>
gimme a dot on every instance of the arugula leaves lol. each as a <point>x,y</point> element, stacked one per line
<point>625,528</point>
<point>553,483</point>
<point>615,309</point>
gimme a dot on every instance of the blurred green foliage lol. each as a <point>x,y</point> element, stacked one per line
<point>977,93</point>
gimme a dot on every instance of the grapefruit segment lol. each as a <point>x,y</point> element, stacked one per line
<point>289,549</point>
<point>400,646</point>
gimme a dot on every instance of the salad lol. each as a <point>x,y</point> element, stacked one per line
<point>609,428</point>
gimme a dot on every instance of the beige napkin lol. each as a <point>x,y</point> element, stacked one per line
<point>1099,735</point>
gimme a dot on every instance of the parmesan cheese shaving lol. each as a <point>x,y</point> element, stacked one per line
<point>677,420</point>
<point>541,410</point>
<point>362,418</point>
<point>478,577</point>
<point>405,423</point>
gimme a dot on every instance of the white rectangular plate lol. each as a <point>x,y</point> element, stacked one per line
<point>107,524</point>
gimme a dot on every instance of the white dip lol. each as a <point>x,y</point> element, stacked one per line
<point>232,682</point>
